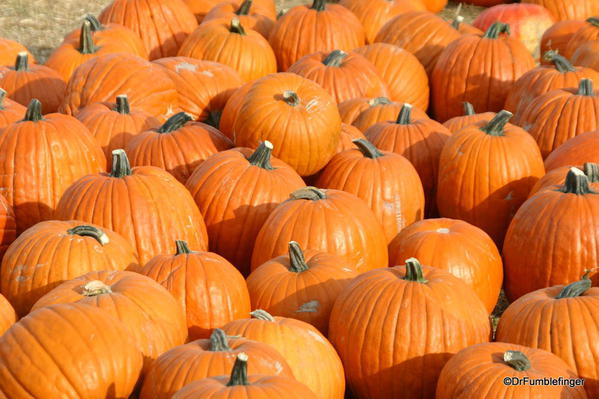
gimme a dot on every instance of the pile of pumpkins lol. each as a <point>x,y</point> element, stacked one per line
<point>207,199</point>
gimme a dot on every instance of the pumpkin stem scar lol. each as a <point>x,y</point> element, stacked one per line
<point>516,360</point>
<point>291,98</point>
<point>95,288</point>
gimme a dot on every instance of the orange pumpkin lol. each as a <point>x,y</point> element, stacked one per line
<point>578,150</point>
<point>349,110</point>
<point>9,49</point>
<point>556,178</point>
<point>378,111</point>
<point>470,117</point>
<point>556,38</point>
<point>568,9</point>
<point>10,111</point>
<point>8,316</point>
<point>349,133</point>
<point>256,15</point>
<point>586,55</point>
<point>209,289</point>
<point>588,32</point>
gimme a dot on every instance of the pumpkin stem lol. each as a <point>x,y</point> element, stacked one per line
<point>455,24</point>
<point>182,247</point>
<point>2,97</point>
<point>591,170</point>
<point>335,58</point>
<point>120,164</point>
<point>95,288</point>
<point>576,288</point>
<point>405,115</point>
<point>219,341</point>
<point>585,87</point>
<point>560,62</point>
<point>175,122</point>
<point>122,104</point>
<point>496,29</point>
<point>291,98</point>
<point>262,315</point>
<point>236,27</point>
<point>468,107</point>
<point>96,25</point>
<point>414,271</point>
<point>239,375</point>
<point>308,193</point>
<point>319,5</point>
<point>516,360</point>
<point>244,8</point>
<point>34,111</point>
<point>367,148</point>
<point>22,61</point>
<point>379,101</point>
<point>296,258</point>
<point>86,41</point>
<point>261,157</point>
<point>593,21</point>
<point>86,230</point>
<point>496,126</point>
<point>213,118</point>
<point>576,183</point>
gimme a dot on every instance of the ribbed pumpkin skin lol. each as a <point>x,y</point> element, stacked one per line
<point>557,36</point>
<point>576,151</point>
<point>348,134</point>
<point>458,247</point>
<point>341,224</point>
<point>8,226</point>
<point>389,184</point>
<point>112,129</point>
<point>478,70</point>
<point>335,26</point>
<point>394,336</point>
<point>33,363</point>
<point>483,179</point>
<point>260,17</point>
<point>163,25</point>
<point>480,368</point>
<point>355,76</point>
<point>147,310</point>
<point>310,355</point>
<point>404,75</point>
<point>203,87</point>
<point>208,288</point>
<point>421,33</point>
<point>373,114</point>
<point>311,128</point>
<point>98,79</point>
<point>249,53</point>
<point>8,316</point>
<point>586,55</point>
<point>567,327</point>
<point>9,49</point>
<point>559,115</point>
<point>178,152</point>
<point>231,109</point>
<point>236,197</point>
<point>113,33</point>
<point>198,361</point>
<point>10,111</point>
<point>155,209</point>
<point>46,255</point>
<point>39,160</point>
<point>457,123</point>
<point>588,32</point>
<point>568,9</point>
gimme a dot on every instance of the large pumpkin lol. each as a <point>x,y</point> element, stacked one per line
<point>8,316</point>
<point>576,151</point>
<point>209,289</point>
<point>395,328</point>
<point>146,205</point>
<point>328,220</point>
<point>10,110</point>
<point>556,38</point>
<point>236,190</point>
<point>568,9</point>
<point>470,117</point>
<point>9,49</point>
<point>539,251</point>
<point>257,15</point>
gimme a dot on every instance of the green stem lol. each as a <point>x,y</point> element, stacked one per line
<point>86,41</point>
<point>577,288</point>
<point>96,25</point>
<point>182,247</point>
<point>405,114</point>
<point>262,315</point>
<point>34,111</point>
<point>22,62</point>
<point>291,98</point>
<point>219,341</point>
<point>308,193</point>
<point>585,87</point>
<point>593,21</point>
<point>560,62</point>
<point>296,258</point>
<point>576,183</point>
<point>496,126</point>
<point>468,108</point>
<point>379,101</point>
<point>591,170</point>
<point>516,360</point>
<point>122,104</point>
<point>175,122</point>
<point>335,58</point>
<point>496,29</point>
<point>120,164</point>
<point>239,375</point>
<point>213,118</point>
<point>244,8</point>
<point>85,230</point>
<point>414,271</point>
<point>367,148</point>
<point>261,157</point>
<point>236,27</point>
<point>319,5</point>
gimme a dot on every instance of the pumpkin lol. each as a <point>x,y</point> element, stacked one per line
<point>40,157</point>
<point>555,178</point>
<point>8,316</point>
<point>296,115</point>
<point>34,364</point>
<point>330,27</point>
<point>401,71</point>
<point>374,14</point>
<point>487,367</point>
<point>163,25</point>
<point>310,355</point>
<point>568,9</point>
<point>588,32</point>
<point>232,44</point>
<point>24,82</point>
<point>343,75</point>
<point>235,191</point>
<point>543,79</point>
<point>349,133</point>
<point>177,146</point>
<point>201,8</point>
<point>421,33</point>
<point>8,226</point>
<point>205,358</point>
<point>147,310</point>
<point>586,55</point>
<point>239,384</point>
<point>52,252</point>
<point>349,110</point>
<point>561,114</point>
<point>95,81</point>
<point>113,125</point>
<point>151,208</point>
<point>532,259</point>
<point>231,109</point>
<point>302,285</point>
<point>209,289</point>
<point>527,23</point>
<point>369,113</point>
<point>549,319</point>
<point>10,49</point>
<point>420,141</point>
<point>456,246</point>
<point>470,117</point>
<point>386,181</point>
<point>332,221</point>
<point>258,16</point>
<point>465,164</point>
<point>416,317</point>
<point>10,111</point>
<point>478,69</point>
<point>580,149</point>
<point>558,35</point>
<point>203,87</point>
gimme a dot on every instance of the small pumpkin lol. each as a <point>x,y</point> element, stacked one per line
<point>586,55</point>
<point>366,114</point>
<point>10,111</point>
<point>256,15</point>
<point>470,117</point>
<point>568,9</point>
<point>9,49</point>
<point>576,151</point>
<point>556,178</point>
<point>556,38</point>
<point>8,316</point>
